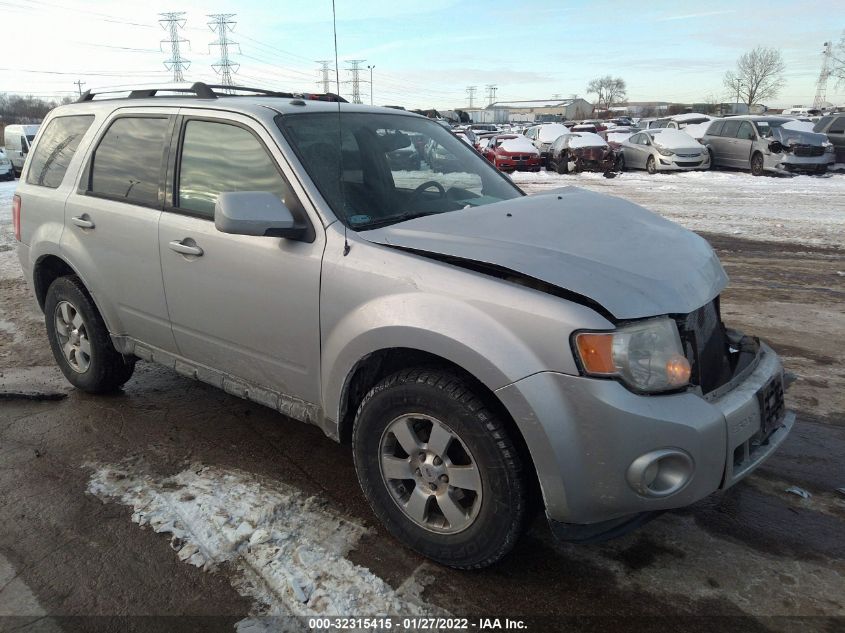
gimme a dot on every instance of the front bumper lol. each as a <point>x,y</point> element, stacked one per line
<point>585,434</point>
<point>787,163</point>
<point>676,163</point>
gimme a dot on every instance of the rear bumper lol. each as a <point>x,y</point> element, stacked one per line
<point>585,436</point>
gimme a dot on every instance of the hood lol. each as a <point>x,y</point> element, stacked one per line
<point>789,136</point>
<point>630,261</point>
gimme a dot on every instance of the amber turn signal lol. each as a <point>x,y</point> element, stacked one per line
<point>678,370</point>
<point>596,352</point>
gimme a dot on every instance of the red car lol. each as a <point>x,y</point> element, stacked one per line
<point>512,152</point>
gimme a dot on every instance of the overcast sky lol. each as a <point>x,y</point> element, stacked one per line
<point>426,52</point>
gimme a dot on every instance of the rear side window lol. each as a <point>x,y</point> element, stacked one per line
<point>127,163</point>
<point>218,158</point>
<point>715,128</point>
<point>838,126</point>
<point>731,128</point>
<point>58,144</point>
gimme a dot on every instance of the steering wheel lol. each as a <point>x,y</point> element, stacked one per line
<point>428,185</point>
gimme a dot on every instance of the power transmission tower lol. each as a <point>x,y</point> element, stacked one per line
<point>471,94</point>
<point>79,83</point>
<point>222,23</point>
<point>355,70</point>
<point>325,82</point>
<point>821,83</point>
<point>172,22</point>
<point>491,93</point>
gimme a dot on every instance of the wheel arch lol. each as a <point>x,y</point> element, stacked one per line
<point>377,365</point>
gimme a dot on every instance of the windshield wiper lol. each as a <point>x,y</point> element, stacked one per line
<point>394,219</point>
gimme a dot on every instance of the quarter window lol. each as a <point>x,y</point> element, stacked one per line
<point>838,126</point>
<point>54,151</point>
<point>218,158</point>
<point>127,163</point>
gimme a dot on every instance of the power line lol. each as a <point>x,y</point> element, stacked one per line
<point>355,70</point>
<point>324,82</point>
<point>222,23</point>
<point>172,22</point>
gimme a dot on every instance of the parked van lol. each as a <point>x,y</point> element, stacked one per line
<point>482,351</point>
<point>17,141</point>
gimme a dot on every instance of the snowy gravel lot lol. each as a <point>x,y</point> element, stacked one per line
<point>173,498</point>
<point>800,209</point>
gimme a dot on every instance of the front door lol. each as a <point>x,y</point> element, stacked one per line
<point>245,305</point>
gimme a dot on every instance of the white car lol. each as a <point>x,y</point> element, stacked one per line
<point>542,136</point>
<point>663,149</point>
<point>6,170</point>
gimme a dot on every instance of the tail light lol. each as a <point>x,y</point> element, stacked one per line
<point>16,216</point>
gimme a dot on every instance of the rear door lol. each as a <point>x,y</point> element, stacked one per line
<point>111,234</point>
<point>245,305</point>
<point>836,134</point>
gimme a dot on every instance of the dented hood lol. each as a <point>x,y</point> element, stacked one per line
<point>630,261</point>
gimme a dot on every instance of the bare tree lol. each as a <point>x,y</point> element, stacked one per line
<point>608,91</point>
<point>837,67</point>
<point>758,75</point>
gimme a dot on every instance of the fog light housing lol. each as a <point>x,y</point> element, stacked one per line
<point>660,473</point>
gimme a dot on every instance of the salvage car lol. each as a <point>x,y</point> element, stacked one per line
<point>581,151</point>
<point>482,352</point>
<point>663,150</point>
<point>542,136</point>
<point>512,152</point>
<point>762,144</point>
<point>7,171</point>
<point>833,126</point>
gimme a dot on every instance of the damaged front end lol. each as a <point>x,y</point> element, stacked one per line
<point>797,151</point>
<point>598,159</point>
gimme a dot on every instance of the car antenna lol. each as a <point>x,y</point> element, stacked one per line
<point>346,246</point>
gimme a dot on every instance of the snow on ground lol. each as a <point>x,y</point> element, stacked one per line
<point>290,550</point>
<point>9,266</point>
<point>801,209</point>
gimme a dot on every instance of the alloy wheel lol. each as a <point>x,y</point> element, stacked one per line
<point>72,333</point>
<point>430,473</point>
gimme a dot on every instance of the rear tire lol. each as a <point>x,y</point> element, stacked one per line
<point>452,488</point>
<point>80,340</point>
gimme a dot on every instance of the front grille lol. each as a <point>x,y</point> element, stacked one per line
<point>772,407</point>
<point>687,163</point>
<point>706,346</point>
<point>807,150</point>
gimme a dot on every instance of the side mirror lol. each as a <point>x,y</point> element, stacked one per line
<point>255,213</point>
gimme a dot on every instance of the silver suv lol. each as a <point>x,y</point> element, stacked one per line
<point>484,352</point>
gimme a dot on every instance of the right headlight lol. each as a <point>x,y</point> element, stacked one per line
<point>647,356</point>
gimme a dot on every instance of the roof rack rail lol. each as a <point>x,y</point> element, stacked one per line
<point>203,90</point>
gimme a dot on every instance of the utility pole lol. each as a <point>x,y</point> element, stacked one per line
<point>222,23</point>
<point>172,22</point>
<point>325,82</point>
<point>471,94</point>
<point>79,85</point>
<point>355,70</point>
<point>491,93</point>
<point>371,82</point>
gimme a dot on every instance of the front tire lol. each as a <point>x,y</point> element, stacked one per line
<point>80,340</point>
<point>651,165</point>
<point>757,164</point>
<point>439,468</point>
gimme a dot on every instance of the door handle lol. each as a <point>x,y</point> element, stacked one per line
<point>82,221</point>
<point>185,249</point>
